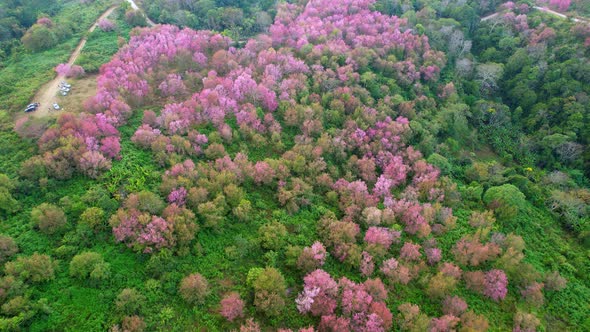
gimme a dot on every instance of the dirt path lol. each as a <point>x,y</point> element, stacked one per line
<point>489,17</point>
<point>48,93</point>
<point>136,7</point>
<point>576,19</point>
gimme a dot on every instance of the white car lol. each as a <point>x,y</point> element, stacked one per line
<point>56,106</point>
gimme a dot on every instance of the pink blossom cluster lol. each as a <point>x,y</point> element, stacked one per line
<point>360,304</point>
<point>106,25</point>
<point>67,70</point>
<point>137,226</point>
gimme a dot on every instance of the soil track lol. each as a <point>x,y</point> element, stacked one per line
<point>576,19</point>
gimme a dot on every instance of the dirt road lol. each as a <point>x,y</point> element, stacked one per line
<point>48,93</point>
<point>136,7</point>
<point>489,17</point>
<point>576,19</point>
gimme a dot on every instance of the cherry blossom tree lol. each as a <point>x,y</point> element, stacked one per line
<point>232,306</point>
<point>495,285</point>
<point>106,25</point>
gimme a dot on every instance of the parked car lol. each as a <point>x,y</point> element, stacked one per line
<point>56,106</point>
<point>31,107</point>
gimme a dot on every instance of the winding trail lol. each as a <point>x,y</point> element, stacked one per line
<point>46,96</point>
<point>489,17</point>
<point>576,19</point>
<point>136,7</point>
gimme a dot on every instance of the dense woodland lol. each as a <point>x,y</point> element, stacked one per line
<point>313,165</point>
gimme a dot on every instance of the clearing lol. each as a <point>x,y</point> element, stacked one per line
<point>48,93</point>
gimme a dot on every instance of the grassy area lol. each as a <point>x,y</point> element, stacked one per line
<point>101,45</point>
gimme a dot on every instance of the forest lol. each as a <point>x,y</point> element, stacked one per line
<point>310,165</point>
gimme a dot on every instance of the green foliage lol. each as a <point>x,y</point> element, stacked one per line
<point>7,203</point>
<point>39,38</point>
<point>506,200</point>
<point>93,218</point>
<point>49,218</point>
<point>89,265</point>
<point>272,235</point>
<point>233,18</point>
<point>194,288</point>
<point>135,18</point>
<point>35,268</point>
<point>269,291</point>
<point>441,162</point>
<point>130,302</point>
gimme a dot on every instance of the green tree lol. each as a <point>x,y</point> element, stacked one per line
<point>269,291</point>
<point>130,301</point>
<point>506,200</point>
<point>39,38</point>
<point>89,265</point>
<point>7,203</point>
<point>272,235</point>
<point>48,218</point>
<point>35,268</point>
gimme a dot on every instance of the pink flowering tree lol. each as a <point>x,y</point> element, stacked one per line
<point>320,294</point>
<point>93,163</point>
<point>495,285</point>
<point>172,86</point>
<point>561,5</point>
<point>380,239</point>
<point>146,226</point>
<point>106,25</point>
<point>64,69</point>
<point>312,257</point>
<point>232,306</point>
<point>410,252</point>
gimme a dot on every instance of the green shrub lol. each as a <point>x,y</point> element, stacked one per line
<point>506,200</point>
<point>194,288</point>
<point>441,162</point>
<point>48,218</point>
<point>272,235</point>
<point>35,268</point>
<point>130,301</point>
<point>7,203</point>
<point>269,291</point>
<point>93,218</point>
<point>7,248</point>
<point>89,265</point>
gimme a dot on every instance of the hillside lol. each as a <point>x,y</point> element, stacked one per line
<point>352,166</point>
